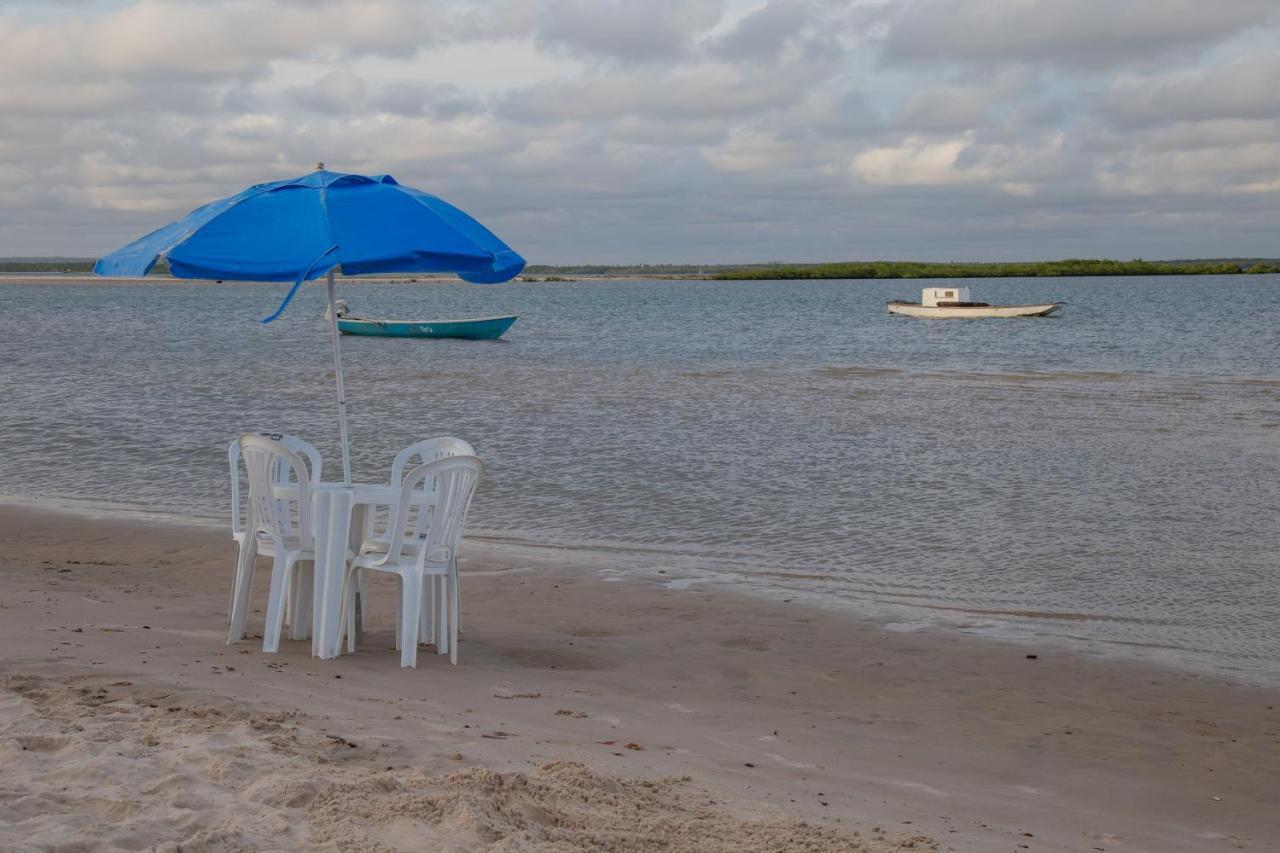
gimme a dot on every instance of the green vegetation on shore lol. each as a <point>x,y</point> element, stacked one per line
<point>1072,267</point>
<point>63,265</point>
<point>630,270</point>
<point>46,265</point>
<point>844,269</point>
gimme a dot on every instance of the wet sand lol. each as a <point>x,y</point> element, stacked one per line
<point>584,715</point>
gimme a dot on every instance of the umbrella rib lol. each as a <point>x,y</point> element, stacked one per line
<point>328,220</point>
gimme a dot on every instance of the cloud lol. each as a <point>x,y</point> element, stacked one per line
<point>47,64</point>
<point>961,104</point>
<point>915,161</point>
<point>764,32</point>
<point>693,90</point>
<point>748,130</point>
<point>1254,169</point>
<point>652,30</point>
<point>413,98</point>
<point>1244,88</point>
<point>336,92</point>
<point>1088,33</point>
<point>755,150</point>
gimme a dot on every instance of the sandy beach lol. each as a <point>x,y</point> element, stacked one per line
<point>584,715</point>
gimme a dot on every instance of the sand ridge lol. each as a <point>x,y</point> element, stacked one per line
<point>97,764</point>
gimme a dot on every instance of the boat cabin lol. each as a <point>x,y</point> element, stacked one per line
<point>932,297</point>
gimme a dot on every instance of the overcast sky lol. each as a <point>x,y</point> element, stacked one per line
<point>695,131</point>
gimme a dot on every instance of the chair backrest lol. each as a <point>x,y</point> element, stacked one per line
<point>304,449</point>
<point>450,482</point>
<point>427,450</point>
<point>279,490</point>
<point>297,445</point>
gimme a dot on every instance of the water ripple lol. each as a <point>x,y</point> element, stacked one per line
<point>1115,470</point>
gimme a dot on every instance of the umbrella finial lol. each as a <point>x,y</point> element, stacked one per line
<point>320,166</point>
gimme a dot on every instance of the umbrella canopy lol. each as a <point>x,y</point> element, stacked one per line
<point>304,228</point>
<point>300,229</point>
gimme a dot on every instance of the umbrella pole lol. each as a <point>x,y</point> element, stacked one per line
<point>337,373</point>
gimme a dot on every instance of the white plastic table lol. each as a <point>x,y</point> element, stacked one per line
<point>338,512</point>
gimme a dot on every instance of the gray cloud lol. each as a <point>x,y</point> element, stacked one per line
<point>337,93</point>
<point>655,29</point>
<point>800,129</point>
<point>763,33</point>
<point>412,98</point>
<point>960,104</point>
<point>1068,32</point>
<point>693,91</point>
<point>1245,88</point>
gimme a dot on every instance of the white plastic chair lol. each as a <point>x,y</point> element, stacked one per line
<point>375,537</point>
<point>442,491</point>
<point>249,549</point>
<point>279,512</point>
<point>418,453</point>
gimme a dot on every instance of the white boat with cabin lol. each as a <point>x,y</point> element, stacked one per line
<point>944,302</point>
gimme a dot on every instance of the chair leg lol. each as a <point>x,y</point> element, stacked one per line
<point>426,624</point>
<point>364,599</point>
<point>235,578</point>
<point>453,573</point>
<point>307,600</point>
<point>410,612</point>
<point>275,602</point>
<point>455,602</point>
<point>399,614</point>
<point>429,609</point>
<point>241,591</point>
<point>346,611</point>
<point>442,616</point>
<point>300,597</point>
<point>350,601</point>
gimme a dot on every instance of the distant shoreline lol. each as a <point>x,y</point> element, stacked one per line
<point>73,268</point>
<point>1034,269</point>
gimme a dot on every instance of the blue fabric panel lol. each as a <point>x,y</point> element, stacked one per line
<point>137,258</point>
<point>380,229</point>
<point>284,231</point>
<point>273,236</point>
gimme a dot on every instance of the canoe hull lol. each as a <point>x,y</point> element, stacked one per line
<point>972,312</point>
<point>479,329</point>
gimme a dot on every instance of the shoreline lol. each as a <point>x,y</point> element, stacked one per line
<point>859,271</point>
<point>682,570</point>
<point>772,709</point>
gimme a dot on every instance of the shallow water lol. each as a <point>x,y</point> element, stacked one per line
<point>1110,476</point>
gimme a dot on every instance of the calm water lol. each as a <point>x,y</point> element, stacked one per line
<point>1111,475</point>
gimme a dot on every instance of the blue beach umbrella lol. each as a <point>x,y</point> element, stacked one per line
<point>303,228</point>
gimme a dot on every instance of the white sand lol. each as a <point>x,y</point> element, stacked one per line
<point>126,723</point>
<point>118,766</point>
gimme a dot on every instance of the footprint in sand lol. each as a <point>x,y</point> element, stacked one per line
<point>554,659</point>
<point>587,633</point>
<point>43,743</point>
<point>754,644</point>
<point>110,810</point>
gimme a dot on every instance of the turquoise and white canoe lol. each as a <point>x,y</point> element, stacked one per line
<point>477,329</point>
